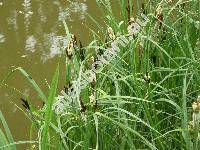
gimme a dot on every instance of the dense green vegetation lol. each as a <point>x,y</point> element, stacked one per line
<point>144,97</point>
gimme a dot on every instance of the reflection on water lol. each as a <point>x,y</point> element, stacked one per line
<point>30,44</point>
<point>27,13</point>
<point>12,20</point>
<point>2,38</point>
<point>43,17</point>
<point>75,8</point>
<point>55,45</point>
<point>32,36</point>
<point>51,44</point>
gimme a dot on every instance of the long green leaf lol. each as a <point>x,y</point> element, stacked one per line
<point>3,140</point>
<point>30,79</point>
<point>8,133</point>
<point>150,145</point>
<point>49,111</point>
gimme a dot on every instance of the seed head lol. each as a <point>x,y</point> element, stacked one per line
<point>74,41</point>
<point>196,105</point>
<point>82,105</point>
<point>92,100</point>
<point>92,59</point>
<point>25,104</point>
<point>159,15</point>
<point>158,10</point>
<point>147,78</point>
<point>111,33</point>
<point>69,49</point>
<point>82,52</point>
<point>93,78</point>
<point>133,27</point>
<point>191,126</point>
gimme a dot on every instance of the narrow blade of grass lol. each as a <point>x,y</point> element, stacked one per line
<point>8,133</point>
<point>30,79</point>
<point>144,140</point>
<point>184,115</point>
<point>3,140</point>
<point>49,111</point>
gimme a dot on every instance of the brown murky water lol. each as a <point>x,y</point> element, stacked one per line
<point>32,36</point>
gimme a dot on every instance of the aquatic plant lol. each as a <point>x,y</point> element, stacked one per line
<point>6,140</point>
<point>130,89</point>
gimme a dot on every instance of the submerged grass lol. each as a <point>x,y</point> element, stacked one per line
<point>139,99</point>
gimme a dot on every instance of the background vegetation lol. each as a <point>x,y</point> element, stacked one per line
<point>144,98</point>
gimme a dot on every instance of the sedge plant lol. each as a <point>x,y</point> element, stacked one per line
<point>141,97</point>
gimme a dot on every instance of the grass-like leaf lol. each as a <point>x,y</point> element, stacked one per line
<point>49,111</point>
<point>8,133</point>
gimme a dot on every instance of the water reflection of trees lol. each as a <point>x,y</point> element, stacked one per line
<point>38,24</point>
<point>49,20</point>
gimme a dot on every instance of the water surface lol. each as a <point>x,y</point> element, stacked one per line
<point>32,36</point>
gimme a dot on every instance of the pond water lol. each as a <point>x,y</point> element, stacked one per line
<point>32,36</point>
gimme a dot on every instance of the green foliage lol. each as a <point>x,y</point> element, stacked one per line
<point>139,99</point>
<point>49,112</point>
<point>8,133</point>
